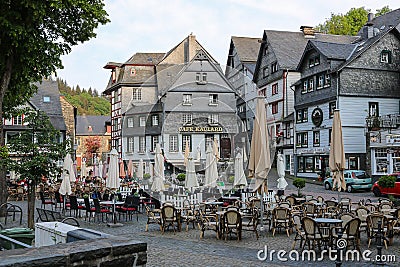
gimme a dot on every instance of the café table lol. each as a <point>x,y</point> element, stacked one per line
<point>113,204</point>
<point>327,224</point>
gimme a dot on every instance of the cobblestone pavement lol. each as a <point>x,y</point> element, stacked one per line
<point>187,249</point>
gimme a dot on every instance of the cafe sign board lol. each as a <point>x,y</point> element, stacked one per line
<point>200,129</point>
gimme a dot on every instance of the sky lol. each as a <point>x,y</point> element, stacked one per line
<point>159,25</point>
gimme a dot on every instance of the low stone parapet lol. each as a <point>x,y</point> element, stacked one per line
<point>103,252</point>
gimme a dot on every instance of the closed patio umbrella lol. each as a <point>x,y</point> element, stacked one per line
<point>337,158</point>
<point>122,172</point>
<point>191,178</point>
<point>240,178</point>
<point>100,169</point>
<point>282,183</point>
<point>158,181</point>
<point>68,176</point>
<point>211,172</point>
<point>186,155</point>
<point>113,181</point>
<point>83,168</point>
<point>139,174</point>
<point>260,159</point>
<point>130,168</point>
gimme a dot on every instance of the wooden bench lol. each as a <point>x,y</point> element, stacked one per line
<point>55,216</point>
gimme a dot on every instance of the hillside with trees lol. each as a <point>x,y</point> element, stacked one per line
<point>88,102</point>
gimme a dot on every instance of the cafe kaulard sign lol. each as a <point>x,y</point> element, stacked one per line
<point>200,129</point>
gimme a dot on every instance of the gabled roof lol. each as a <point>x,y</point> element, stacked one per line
<point>288,47</point>
<point>145,59</point>
<point>247,48</point>
<point>48,89</point>
<point>329,50</point>
<point>390,19</point>
<point>366,44</point>
<point>91,124</point>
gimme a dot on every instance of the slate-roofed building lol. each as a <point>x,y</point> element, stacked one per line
<point>184,99</point>
<point>276,70</point>
<point>90,128</point>
<point>240,66</point>
<point>46,99</point>
<point>362,80</point>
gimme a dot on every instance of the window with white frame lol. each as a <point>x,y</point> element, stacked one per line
<point>305,87</point>
<point>381,160</point>
<point>327,80</point>
<point>320,82</point>
<point>173,143</point>
<point>310,85</point>
<point>302,139</point>
<point>212,118</point>
<point>187,118</point>
<point>186,139</point>
<point>316,138</point>
<point>274,107</point>
<point>332,107</point>
<point>302,115</point>
<point>154,120</point>
<point>288,130</point>
<point>17,120</point>
<point>275,89</point>
<point>46,99</point>
<point>386,56</point>
<point>274,67</point>
<point>209,141</point>
<point>265,72</point>
<point>187,99</point>
<point>142,121</point>
<point>137,94</point>
<point>373,109</point>
<point>142,144</point>
<point>154,142</point>
<point>213,99</point>
<point>130,122</point>
<point>130,143</point>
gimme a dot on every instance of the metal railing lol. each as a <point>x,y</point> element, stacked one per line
<point>13,244</point>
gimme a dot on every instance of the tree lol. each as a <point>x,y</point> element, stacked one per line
<point>92,144</point>
<point>34,35</point>
<point>39,152</point>
<point>350,23</point>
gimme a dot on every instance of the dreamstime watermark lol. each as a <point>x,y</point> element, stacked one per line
<point>332,254</point>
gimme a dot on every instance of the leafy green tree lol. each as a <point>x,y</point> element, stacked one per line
<point>383,10</point>
<point>34,35</point>
<point>40,150</point>
<point>350,23</point>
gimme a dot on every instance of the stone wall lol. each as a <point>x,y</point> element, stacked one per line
<point>113,251</point>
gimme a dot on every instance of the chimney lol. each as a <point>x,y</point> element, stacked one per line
<point>370,17</point>
<point>368,29</point>
<point>308,31</point>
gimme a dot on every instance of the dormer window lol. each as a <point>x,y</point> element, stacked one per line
<point>274,67</point>
<point>386,56</point>
<point>201,78</point>
<point>213,99</point>
<point>187,99</point>
<point>313,61</point>
<point>46,99</point>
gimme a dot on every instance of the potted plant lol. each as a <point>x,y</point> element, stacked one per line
<point>299,183</point>
<point>387,181</point>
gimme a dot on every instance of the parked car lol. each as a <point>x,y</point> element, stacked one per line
<point>395,191</point>
<point>355,180</point>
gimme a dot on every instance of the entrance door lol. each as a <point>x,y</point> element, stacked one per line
<point>225,147</point>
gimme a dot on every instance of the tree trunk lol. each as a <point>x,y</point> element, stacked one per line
<point>31,203</point>
<point>4,83</point>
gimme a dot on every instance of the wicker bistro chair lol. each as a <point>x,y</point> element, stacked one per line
<point>153,217</point>
<point>310,209</point>
<point>280,219</point>
<point>351,233</point>
<point>232,224</point>
<point>346,217</point>
<point>373,220</point>
<point>208,222</point>
<point>300,234</point>
<point>313,234</point>
<point>250,222</point>
<point>169,217</point>
<point>362,213</point>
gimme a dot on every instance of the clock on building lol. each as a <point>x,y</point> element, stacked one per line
<point>317,117</point>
